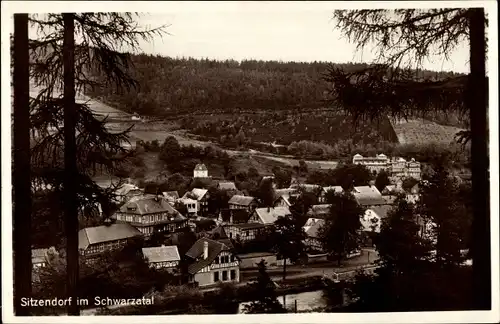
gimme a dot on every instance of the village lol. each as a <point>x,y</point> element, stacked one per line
<point>230,243</point>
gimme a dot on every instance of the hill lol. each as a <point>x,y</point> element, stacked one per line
<point>172,86</point>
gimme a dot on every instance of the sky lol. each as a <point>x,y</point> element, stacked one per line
<point>293,31</point>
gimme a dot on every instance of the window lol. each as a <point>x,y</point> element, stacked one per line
<point>233,274</point>
<point>216,276</point>
<point>216,261</point>
<point>224,275</point>
<point>233,258</point>
<point>226,259</point>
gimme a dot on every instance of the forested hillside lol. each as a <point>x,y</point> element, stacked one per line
<point>169,86</point>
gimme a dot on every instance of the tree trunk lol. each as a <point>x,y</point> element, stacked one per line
<point>284,269</point>
<point>21,166</point>
<point>70,168</point>
<point>477,105</point>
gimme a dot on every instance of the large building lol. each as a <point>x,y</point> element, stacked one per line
<point>398,168</point>
<point>95,240</point>
<point>150,214</point>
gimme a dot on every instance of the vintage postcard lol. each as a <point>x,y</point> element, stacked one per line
<point>250,161</point>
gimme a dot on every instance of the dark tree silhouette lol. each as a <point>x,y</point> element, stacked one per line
<point>287,239</point>
<point>391,88</point>
<point>382,180</point>
<point>267,299</point>
<point>22,204</point>
<point>55,60</point>
<point>340,235</point>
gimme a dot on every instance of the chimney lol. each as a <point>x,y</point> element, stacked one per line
<point>268,209</point>
<point>205,250</point>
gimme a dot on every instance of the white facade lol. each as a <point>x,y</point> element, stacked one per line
<point>397,168</point>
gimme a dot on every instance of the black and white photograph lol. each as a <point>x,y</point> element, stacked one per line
<point>300,161</point>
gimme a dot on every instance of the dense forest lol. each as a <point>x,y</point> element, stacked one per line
<point>171,86</point>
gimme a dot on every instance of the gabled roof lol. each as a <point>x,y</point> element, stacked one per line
<point>171,194</point>
<point>39,255</point>
<point>219,232</point>
<point>161,253</point>
<point>200,167</point>
<point>270,215</point>
<point>147,204</point>
<point>338,189</point>
<point>241,200</point>
<point>312,230</point>
<point>319,211</point>
<point>196,253</point>
<point>105,233</point>
<point>368,196</point>
<point>227,185</point>
<point>196,193</point>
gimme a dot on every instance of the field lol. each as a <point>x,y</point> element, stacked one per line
<point>419,131</point>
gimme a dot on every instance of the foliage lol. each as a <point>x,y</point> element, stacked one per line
<point>340,233</point>
<point>288,238</point>
<point>282,178</point>
<point>267,301</point>
<point>382,180</point>
<point>400,245</point>
<point>439,206</point>
<point>265,193</point>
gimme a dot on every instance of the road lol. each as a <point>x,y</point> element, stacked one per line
<point>347,269</point>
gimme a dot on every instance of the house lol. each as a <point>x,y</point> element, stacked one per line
<point>268,215</point>
<point>246,231</point>
<point>150,214</point>
<point>368,196</point>
<point>228,186</point>
<point>392,190</point>
<point>126,192</point>
<point>319,211</point>
<point>95,240</point>
<point>171,196</point>
<point>39,257</point>
<point>200,171</point>
<point>162,257</point>
<point>212,262</point>
<point>311,228</point>
<point>242,202</point>
<point>201,196</point>
<point>191,206</point>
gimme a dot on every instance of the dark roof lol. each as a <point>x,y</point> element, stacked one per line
<point>196,253</point>
<point>219,231</point>
<point>248,226</point>
<point>105,233</point>
<point>241,200</point>
<point>227,242</point>
<point>381,210</point>
<point>147,204</point>
<point>161,253</point>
